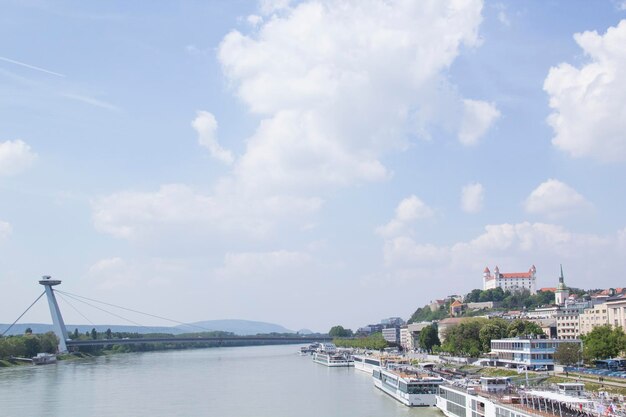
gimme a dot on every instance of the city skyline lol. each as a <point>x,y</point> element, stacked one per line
<point>307,163</point>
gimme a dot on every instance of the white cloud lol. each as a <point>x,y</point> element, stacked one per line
<point>118,274</point>
<point>512,246</point>
<point>206,126</point>
<point>5,230</point>
<point>336,89</point>
<point>254,20</point>
<point>588,113</point>
<point>263,266</point>
<point>555,198</point>
<point>15,157</point>
<point>472,196</point>
<point>340,86</point>
<point>272,6</point>
<point>180,209</point>
<point>478,116</point>
<point>502,14</point>
<point>408,211</point>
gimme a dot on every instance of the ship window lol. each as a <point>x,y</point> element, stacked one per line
<point>455,409</point>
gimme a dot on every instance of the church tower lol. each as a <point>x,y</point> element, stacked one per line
<point>561,293</point>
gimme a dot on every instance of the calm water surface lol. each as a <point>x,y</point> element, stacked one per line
<point>263,381</point>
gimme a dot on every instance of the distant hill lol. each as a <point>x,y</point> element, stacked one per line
<point>239,327</point>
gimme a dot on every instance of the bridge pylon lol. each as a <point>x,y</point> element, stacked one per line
<point>55,312</point>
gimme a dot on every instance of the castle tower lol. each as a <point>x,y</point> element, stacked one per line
<point>486,277</point>
<point>561,293</point>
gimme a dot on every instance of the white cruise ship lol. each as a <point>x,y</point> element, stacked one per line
<point>327,354</point>
<point>488,400</point>
<point>367,363</point>
<point>332,360</point>
<point>411,389</point>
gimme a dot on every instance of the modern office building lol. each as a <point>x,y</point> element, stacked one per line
<point>392,334</point>
<point>526,353</point>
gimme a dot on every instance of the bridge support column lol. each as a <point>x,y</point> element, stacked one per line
<point>57,319</point>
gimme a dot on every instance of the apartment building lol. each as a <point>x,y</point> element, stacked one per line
<point>616,310</point>
<point>593,316</point>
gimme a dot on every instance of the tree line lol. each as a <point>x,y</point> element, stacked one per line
<point>472,337</point>
<point>374,341</point>
<point>27,345</point>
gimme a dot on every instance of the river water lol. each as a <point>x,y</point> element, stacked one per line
<point>258,381</point>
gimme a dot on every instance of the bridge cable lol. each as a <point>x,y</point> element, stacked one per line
<point>22,315</point>
<point>75,309</point>
<point>108,312</point>
<point>136,311</point>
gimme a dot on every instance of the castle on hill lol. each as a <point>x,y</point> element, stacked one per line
<point>510,281</point>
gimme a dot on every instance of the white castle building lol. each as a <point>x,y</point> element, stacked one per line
<point>510,281</point>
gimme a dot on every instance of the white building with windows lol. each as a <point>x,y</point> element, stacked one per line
<point>526,353</point>
<point>616,310</point>
<point>592,317</point>
<point>510,281</point>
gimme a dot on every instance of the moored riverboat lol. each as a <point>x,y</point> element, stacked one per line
<point>367,363</point>
<point>333,359</point>
<point>408,386</point>
<point>44,359</point>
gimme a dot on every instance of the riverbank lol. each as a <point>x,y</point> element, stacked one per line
<point>7,363</point>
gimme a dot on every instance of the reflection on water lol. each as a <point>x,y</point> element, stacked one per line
<point>272,381</point>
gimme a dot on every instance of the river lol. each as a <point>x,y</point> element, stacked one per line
<point>257,381</point>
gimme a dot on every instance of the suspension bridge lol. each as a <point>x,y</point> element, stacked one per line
<point>66,343</point>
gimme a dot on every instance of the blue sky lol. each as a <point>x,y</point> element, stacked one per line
<point>307,163</point>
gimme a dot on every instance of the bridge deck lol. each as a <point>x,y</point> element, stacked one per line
<point>132,341</point>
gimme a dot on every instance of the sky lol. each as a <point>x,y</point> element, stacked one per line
<point>307,163</point>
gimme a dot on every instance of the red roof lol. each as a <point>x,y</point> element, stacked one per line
<point>456,303</point>
<point>487,269</point>
<point>548,289</point>
<point>516,275</point>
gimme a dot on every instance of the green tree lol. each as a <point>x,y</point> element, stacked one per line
<point>49,342</point>
<point>524,328</point>
<point>426,314</point>
<point>339,331</point>
<point>375,341</point>
<point>76,335</point>
<point>94,334</point>
<point>495,329</point>
<point>108,334</point>
<point>473,296</point>
<point>429,338</point>
<point>567,354</point>
<point>28,331</point>
<point>464,338</point>
<point>32,346</point>
<point>603,342</point>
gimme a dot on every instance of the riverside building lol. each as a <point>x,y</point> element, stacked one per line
<point>526,353</point>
